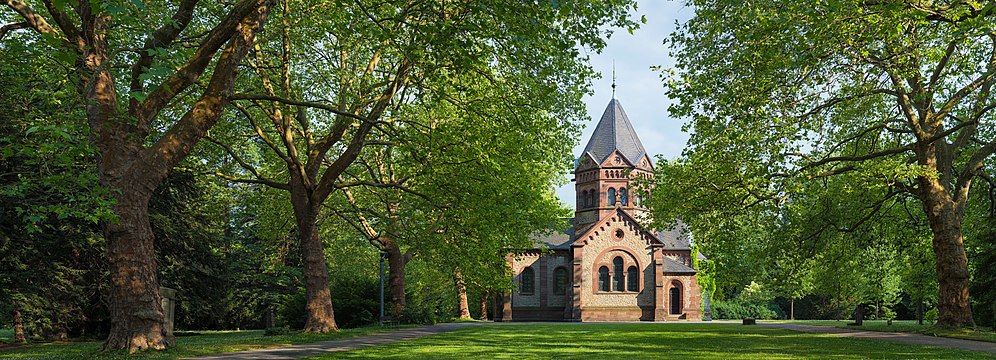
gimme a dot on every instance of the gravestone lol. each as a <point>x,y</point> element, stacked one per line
<point>750,321</point>
<point>169,307</point>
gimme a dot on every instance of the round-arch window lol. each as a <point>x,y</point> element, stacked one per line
<point>632,279</point>
<point>560,281</point>
<point>612,196</point>
<point>528,281</point>
<point>617,270</point>
<point>603,278</point>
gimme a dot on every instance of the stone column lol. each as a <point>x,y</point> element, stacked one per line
<point>169,307</point>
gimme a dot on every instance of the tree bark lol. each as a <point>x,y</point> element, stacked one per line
<point>136,308</point>
<point>321,317</point>
<point>461,287</point>
<point>484,306</point>
<point>945,216</point>
<point>396,261</point>
<point>919,312</point>
<point>19,328</point>
<point>792,309</point>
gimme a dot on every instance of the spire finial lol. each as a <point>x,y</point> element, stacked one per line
<point>613,78</point>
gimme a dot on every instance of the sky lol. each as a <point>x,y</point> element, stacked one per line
<point>638,88</point>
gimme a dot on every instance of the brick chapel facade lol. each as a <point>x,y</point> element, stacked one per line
<point>606,266</point>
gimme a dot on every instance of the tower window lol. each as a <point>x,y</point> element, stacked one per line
<point>622,197</point>
<point>612,196</point>
<point>593,198</point>
<point>583,202</point>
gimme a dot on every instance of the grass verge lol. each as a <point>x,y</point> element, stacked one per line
<point>909,326</point>
<point>187,345</point>
<point>645,341</point>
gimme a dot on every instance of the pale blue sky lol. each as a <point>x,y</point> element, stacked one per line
<point>638,88</point>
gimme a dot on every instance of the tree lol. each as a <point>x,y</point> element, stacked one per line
<point>340,77</point>
<point>896,92</point>
<point>134,156</point>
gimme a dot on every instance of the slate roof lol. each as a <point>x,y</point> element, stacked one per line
<point>555,239</point>
<point>615,132</point>
<point>671,266</point>
<point>676,238</point>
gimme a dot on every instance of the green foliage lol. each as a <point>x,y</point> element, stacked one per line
<point>738,309</point>
<point>51,267</point>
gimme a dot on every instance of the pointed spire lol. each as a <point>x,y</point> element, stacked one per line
<point>615,132</point>
<point>613,78</point>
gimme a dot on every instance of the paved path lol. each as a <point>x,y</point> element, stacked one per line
<point>904,338</point>
<point>352,343</point>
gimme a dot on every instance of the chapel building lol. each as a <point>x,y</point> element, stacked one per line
<point>606,266</point>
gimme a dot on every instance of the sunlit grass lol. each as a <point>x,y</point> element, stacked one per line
<point>187,345</point>
<point>642,341</point>
<point>911,326</point>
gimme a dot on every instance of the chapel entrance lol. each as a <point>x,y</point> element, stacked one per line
<point>675,301</point>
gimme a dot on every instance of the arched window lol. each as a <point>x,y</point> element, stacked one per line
<point>593,197</point>
<point>612,196</point>
<point>617,271</point>
<point>622,197</point>
<point>559,281</point>
<point>638,199</point>
<point>527,283</point>
<point>603,278</point>
<point>632,279</point>
<point>583,202</point>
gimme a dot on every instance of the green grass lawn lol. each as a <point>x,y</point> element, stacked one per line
<point>6,335</point>
<point>900,326</point>
<point>643,341</point>
<point>187,345</point>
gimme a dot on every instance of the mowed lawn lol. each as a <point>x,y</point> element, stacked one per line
<point>188,345</point>
<point>910,326</point>
<point>646,341</point>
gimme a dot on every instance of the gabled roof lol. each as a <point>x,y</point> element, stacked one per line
<point>555,239</point>
<point>580,237</point>
<point>674,267</point>
<point>615,132</point>
<point>676,238</point>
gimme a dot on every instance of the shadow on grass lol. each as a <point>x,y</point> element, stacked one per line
<point>910,326</point>
<point>639,341</point>
<point>203,343</point>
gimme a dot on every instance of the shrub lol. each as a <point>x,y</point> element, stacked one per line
<point>736,310</point>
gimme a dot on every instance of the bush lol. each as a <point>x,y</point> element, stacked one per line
<point>736,310</point>
<point>931,315</point>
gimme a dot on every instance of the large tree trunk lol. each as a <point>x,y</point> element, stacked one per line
<point>461,287</point>
<point>321,317</point>
<point>944,217</point>
<point>136,308</point>
<point>484,305</point>
<point>19,328</point>
<point>396,261</point>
